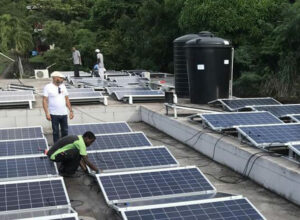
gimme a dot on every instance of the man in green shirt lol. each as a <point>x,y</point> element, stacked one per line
<point>70,151</point>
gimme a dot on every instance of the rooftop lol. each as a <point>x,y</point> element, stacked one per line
<point>190,144</point>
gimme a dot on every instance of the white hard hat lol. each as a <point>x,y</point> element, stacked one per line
<point>97,51</point>
<point>57,74</point>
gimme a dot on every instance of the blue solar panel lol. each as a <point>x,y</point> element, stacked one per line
<point>136,158</point>
<point>100,128</point>
<point>279,110</point>
<point>21,133</point>
<point>32,194</point>
<point>221,121</point>
<point>26,167</point>
<point>271,135</point>
<point>215,210</point>
<point>117,141</point>
<point>150,184</point>
<point>236,104</point>
<point>22,147</point>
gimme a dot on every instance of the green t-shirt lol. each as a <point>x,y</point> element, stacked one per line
<point>79,144</point>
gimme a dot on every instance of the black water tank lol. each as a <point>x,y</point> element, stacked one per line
<point>180,70</point>
<point>208,67</point>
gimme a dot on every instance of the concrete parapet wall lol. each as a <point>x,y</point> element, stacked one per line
<point>274,173</point>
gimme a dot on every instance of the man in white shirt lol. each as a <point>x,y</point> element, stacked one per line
<point>76,61</point>
<point>100,62</point>
<point>55,104</point>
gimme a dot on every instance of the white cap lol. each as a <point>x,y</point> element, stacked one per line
<point>57,74</point>
<point>97,51</point>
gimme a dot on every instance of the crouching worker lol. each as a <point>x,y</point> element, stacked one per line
<point>70,151</point>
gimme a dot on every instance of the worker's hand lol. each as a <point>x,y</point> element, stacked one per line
<point>71,115</point>
<point>48,116</point>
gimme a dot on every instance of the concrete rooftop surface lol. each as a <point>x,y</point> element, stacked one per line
<point>272,184</point>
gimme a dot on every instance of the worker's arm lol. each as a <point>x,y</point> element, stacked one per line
<point>69,107</point>
<point>90,164</point>
<point>45,106</point>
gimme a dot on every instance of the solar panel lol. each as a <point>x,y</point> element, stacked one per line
<point>80,90</point>
<point>216,209</point>
<point>26,167</point>
<point>16,93</point>
<point>139,94</point>
<point>110,90</point>
<point>100,128</point>
<point>220,121</point>
<point>118,141</point>
<point>22,147</point>
<point>279,110</point>
<point>27,194</point>
<point>16,98</point>
<point>271,135</point>
<point>239,103</point>
<point>21,133</point>
<point>148,185</point>
<point>86,95</point>
<point>128,159</point>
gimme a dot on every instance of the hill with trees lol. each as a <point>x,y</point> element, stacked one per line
<point>139,34</point>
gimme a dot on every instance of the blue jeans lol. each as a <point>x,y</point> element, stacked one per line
<point>62,121</point>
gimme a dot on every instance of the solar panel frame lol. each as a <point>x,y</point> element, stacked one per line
<point>71,126</point>
<point>28,181</point>
<point>151,197</point>
<point>294,117</point>
<point>21,138</point>
<point>210,123</point>
<point>114,141</point>
<point>276,111</point>
<point>17,99</point>
<point>149,211</point>
<point>226,106</point>
<point>266,144</point>
<point>295,147</point>
<point>115,167</point>
<point>9,144</point>
<point>27,168</point>
<point>41,214</point>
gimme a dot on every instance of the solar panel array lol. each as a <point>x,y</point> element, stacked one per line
<point>239,103</point>
<point>133,159</point>
<point>271,135</point>
<point>118,141</point>
<point>150,184</point>
<point>28,179</point>
<point>228,209</point>
<point>220,121</point>
<point>279,110</point>
<point>99,128</point>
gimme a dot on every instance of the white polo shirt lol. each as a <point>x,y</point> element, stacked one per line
<point>56,100</point>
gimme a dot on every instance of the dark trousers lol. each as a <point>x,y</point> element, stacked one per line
<point>69,161</point>
<point>62,121</point>
<point>76,70</point>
